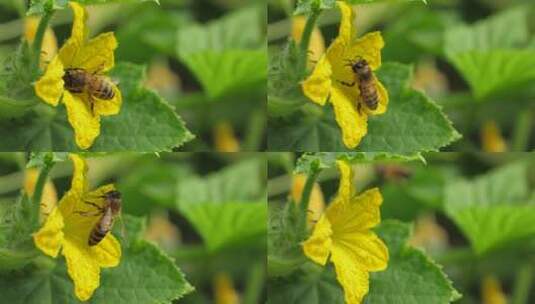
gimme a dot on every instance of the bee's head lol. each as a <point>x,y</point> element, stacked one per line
<point>114,199</point>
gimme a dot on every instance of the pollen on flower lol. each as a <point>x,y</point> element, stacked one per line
<point>91,59</point>
<point>353,95</point>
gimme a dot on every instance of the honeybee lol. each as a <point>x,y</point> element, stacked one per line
<point>108,212</point>
<point>366,83</point>
<point>79,80</point>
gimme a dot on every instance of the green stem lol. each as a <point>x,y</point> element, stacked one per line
<point>255,282</point>
<point>524,279</point>
<point>253,138</point>
<point>307,33</point>
<point>522,131</point>
<point>305,199</point>
<point>38,192</point>
<point>40,34</point>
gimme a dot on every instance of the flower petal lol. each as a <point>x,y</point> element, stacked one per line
<point>82,268</point>
<point>96,56</point>
<point>354,279</point>
<point>366,249</point>
<point>345,188</point>
<point>50,86</point>
<point>317,85</point>
<point>318,245</point>
<point>368,47</point>
<point>96,195</point>
<point>354,125</point>
<point>86,126</point>
<point>79,182</point>
<point>346,30</point>
<point>79,28</point>
<point>382,95</point>
<point>361,214</point>
<point>109,107</point>
<point>107,252</point>
<point>49,238</point>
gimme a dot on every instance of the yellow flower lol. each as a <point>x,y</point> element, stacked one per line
<point>224,291</point>
<point>343,236</point>
<point>95,56</point>
<point>49,197</point>
<point>491,291</point>
<point>491,138</point>
<point>224,138</point>
<point>332,75</point>
<point>316,203</point>
<point>68,230</point>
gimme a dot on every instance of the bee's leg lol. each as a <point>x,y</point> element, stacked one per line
<point>99,69</point>
<point>91,103</point>
<point>359,108</point>
<point>94,205</point>
<point>348,84</point>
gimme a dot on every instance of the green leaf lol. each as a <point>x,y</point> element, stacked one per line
<point>488,55</point>
<point>228,224</point>
<point>411,277</point>
<point>494,209</point>
<point>242,182</point>
<point>144,275</point>
<point>323,160</point>
<point>146,123</point>
<point>226,55</point>
<point>413,123</point>
<point>308,6</point>
<point>42,6</point>
<point>228,73</point>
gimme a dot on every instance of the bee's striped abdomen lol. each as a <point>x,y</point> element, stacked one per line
<point>96,235</point>
<point>105,90</point>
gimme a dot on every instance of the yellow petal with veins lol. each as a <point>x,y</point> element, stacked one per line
<point>354,280</point>
<point>79,29</point>
<point>82,267</point>
<point>50,86</point>
<point>368,47</point>
<point>86,126</point>
<point>354,125</point>
<point>318,246</point>
<point>96,56</point>
<point>48,239</point>
<point>346,30</point>
<point>317,85</point>
<point>107,252</point>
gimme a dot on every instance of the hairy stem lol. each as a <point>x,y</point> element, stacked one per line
<point>40,34</point>
<point>307,33</point>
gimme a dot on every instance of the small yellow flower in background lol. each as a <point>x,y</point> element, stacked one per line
<point>69,231</point>
<point>332,70</point>
<point>429,234</point>
<point>163,232</point>
<point>343,235</point>
<point>224,291</point>
<point>224,138</point>
<point>49,48</point>
<point>95,56</point>
<point>49,197</point>
<point>491,138</point>
<point>491,291</point>
<point>316,46</point>
<point>316,203</point>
